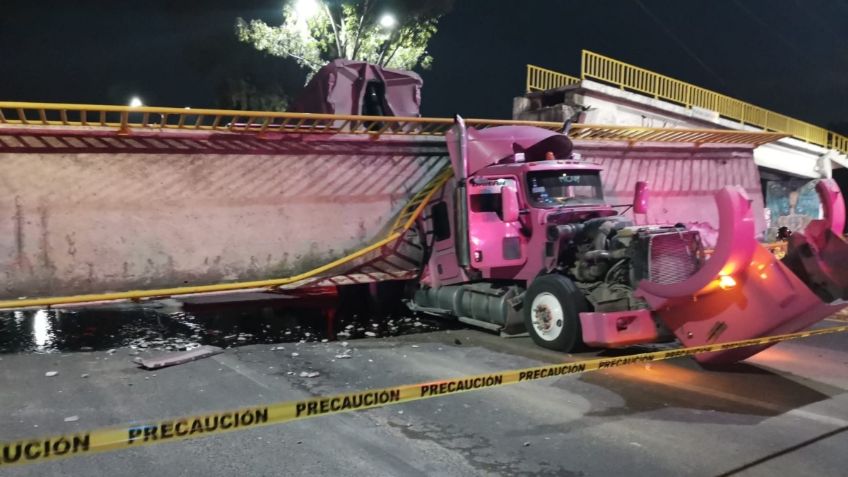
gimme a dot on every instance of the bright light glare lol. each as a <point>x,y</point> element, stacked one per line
<point>388,20</point>
<point>306,8</point>
<point>726,282</point>
<point>41,329</point>
<point>135,102</point>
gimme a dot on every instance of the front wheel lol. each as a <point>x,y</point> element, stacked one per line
<point>551,312</point>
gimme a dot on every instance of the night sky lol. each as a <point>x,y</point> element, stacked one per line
<point>787,55</point>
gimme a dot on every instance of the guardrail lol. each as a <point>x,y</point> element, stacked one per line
<point>541,79</point>
<point>839,142</point>
<point>127,120</point>
<point>626,76</point>
<point>633,78</point>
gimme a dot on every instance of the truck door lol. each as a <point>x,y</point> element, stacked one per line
<point>443,263</point>
<point>494,234</point>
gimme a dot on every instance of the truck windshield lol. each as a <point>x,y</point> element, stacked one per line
<point>555,188</point>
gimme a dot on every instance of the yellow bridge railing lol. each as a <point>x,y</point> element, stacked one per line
<point>626,76</point>
<point>541,79</point>
<point>129,119</point>
<point>839,142</point>
<point>633,78</point>
<point>19,118</point>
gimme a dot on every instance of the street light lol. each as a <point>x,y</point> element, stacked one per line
<point>388,21</point>
<point>135,102</point>
<point>306,8</point>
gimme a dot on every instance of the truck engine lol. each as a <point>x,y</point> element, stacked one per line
<point>607,257</point>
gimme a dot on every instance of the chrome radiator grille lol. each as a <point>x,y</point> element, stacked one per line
<point>673,256</point>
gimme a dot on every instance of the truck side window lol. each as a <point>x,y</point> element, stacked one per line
<point>487,203</point>
<point>441,223</point>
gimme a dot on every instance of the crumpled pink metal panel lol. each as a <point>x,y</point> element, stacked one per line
<point>340,86</point>
<point>88,211</point>
<point>744,292</point>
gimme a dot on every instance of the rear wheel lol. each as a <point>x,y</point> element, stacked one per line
<point>551,313</point>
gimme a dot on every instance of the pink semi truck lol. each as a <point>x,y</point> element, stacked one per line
<point>521,238</point>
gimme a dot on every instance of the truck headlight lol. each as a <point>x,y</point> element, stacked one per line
<point>726,282</point>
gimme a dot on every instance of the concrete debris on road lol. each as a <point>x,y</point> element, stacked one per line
<point>72,419</point>
<point>50,374</point>
<point>309,374</point>
<point>172,359</point>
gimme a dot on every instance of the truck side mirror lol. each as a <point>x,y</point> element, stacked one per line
<point>509,204</point>
<point>640,198</point>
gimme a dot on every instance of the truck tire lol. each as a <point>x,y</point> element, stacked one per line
<point>551,313</point>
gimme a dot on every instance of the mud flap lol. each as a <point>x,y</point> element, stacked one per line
<point>744,292</point>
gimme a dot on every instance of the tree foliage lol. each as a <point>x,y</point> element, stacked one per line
<point>246,94</point>
<point>314,32</point>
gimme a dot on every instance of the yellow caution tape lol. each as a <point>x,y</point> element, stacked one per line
<point>28,451</point>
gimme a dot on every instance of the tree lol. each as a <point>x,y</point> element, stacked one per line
<point>314,32</point>
<point>246,94</point>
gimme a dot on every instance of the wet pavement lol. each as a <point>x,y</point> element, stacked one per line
<point>169,325</point>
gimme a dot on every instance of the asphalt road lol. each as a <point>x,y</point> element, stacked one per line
<point>783,412</point>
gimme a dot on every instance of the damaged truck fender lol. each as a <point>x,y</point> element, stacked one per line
<point>744,292</point>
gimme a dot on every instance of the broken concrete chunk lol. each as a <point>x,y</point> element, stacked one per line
<point>50,374</point>
<point>72,419</point>
<point>309,374</point>
<point>171,359</point>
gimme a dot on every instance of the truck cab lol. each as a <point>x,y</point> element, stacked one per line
<point>515,228</point>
